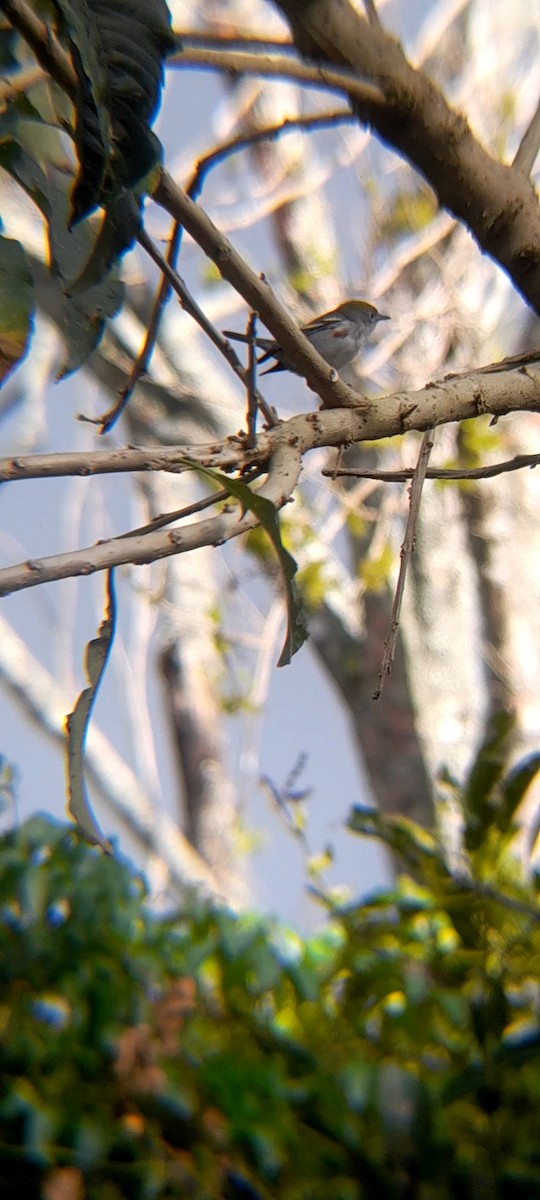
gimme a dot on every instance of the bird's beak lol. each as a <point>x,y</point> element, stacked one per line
<point>384,317</point>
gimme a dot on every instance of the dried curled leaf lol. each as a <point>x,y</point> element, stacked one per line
<point>97,653</point>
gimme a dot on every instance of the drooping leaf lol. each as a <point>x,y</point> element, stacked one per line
<point>93,131</point>
<point>118,48</point>
<point>16,304</point>
<point>82,317</point>
<point>478,797</point>
<point>97,653</point>
<point>513,789</point>
<point>8,40</point>
<point>404,837</point>
<point>268,517</point>
<point>118,230</point>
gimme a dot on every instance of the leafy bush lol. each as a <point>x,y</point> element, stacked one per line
<point>394,1054</point>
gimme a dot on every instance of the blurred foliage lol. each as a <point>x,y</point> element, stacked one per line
<point>396,1053</point>
<point>408,211</point>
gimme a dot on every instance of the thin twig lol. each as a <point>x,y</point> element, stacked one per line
<point>191,307</point>
<point>371,12</point>
<point>251,416</point>
<point>247,141</point>
<point>282,477</point>
<point>43,41</point>
<point>515,362</point>
<point>141,362</point>
<point>194,37</point>
<point>513,464</point>
<point>285,67</point>
<point>407,550</point>
<point>288,797</point>
<point>529,145</point>
<point>194,189</point>
<point>179,514</point>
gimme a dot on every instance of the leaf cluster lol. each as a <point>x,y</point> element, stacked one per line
<point>117,51</point>
<point>210,1054</point>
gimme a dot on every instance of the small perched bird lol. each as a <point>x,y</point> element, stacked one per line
<point>338,336</point>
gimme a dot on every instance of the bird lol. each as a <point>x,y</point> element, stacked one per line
<point>338,336</point>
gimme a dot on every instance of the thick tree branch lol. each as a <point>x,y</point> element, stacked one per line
<point>318,375</point>
<point>280,451</point>
<point>282,479</point>
<point>496,202</point>
<point>456,398</point>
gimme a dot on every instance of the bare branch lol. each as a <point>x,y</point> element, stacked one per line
<point>519,463</point>
<point>529,146</point>
<point>109,419</point>
<point>224,456</point>
<point>407,550</point>
<point>456,398</point>
<point>270,133</point>
<point>280,68</point>
<point>496,202</point>
<point>194,37</point>
<point>191,307</point>
<point>44,43</point>
<point>282,478</point>
<point>251,418</point>
<point>371,12</point>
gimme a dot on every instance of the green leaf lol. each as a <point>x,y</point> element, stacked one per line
<point>93,132</point>
<point>478,801</point>
<point>404,837</point>
<point>97,653</point>
<point>268,517</point>
<point>16,305</point>
<point>81,318</point>
<point>118,48</point>
<point>513,789</point>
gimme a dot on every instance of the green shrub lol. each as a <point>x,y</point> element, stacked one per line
<point>395,1054</point>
